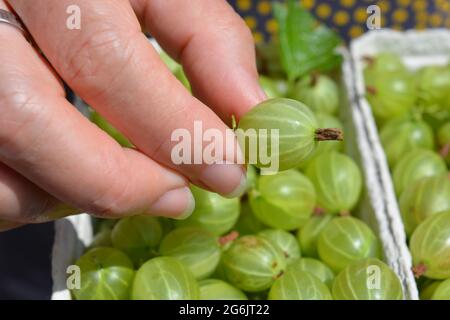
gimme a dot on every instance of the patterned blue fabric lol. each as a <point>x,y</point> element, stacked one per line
<point>348,17</point>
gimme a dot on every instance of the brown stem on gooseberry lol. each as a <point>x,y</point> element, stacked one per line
<point>233,235</point>
<point>368,59</point>
<point>314,79</point>
<point>371,90</point>
<point>318,212</point>
<point>344,213</point>
<point>445,150</point>
<point>279,274</point>
<point>419,270</point>
<point>324,134</point>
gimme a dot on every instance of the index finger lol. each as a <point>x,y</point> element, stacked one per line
<point>214,46</point>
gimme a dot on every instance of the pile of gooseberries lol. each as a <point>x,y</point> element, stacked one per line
<point>290,236</point>
<point>412,110</point>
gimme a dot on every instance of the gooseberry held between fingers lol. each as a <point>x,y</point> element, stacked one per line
<point>282,131</point>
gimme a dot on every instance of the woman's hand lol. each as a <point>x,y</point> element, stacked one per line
<point>54,162</point>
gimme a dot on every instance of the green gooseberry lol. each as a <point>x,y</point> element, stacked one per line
<point>212,212</point>
<point>430,247</point>
<point>296,284</point>
<point>164,278</point>
<point>196,248</point>
<point>391,95</point>
<point>433,86</point>
<point>269,87</point>
<point>102,239</point>
<point>105,274</point>
<point>426,293</point>
<point>319,92</point>
<point>442,291</point>
<point>252,263</point>
<point>424,198</point>
<point>414,165</point>
<point>337,180</point>
<point>381,64</point>
<point>214,289</point>
<point>138,236</point>
<point>285,241</point>
<point>308,235</point>
<point>282,131</point>
<point>345,240</point>
<point>398,136</point>
<point>283,201</point>
<point>368,279</point>
<point>316,268</point>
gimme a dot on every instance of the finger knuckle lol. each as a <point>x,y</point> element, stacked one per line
<point>20,111</point>
<point>99,55</point>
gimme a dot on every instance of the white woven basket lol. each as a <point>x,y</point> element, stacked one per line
<point>417,49</point>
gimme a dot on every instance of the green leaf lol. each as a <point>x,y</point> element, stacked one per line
<point>305,46</point>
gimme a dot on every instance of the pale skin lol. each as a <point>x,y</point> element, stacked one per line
<point>51,155</point>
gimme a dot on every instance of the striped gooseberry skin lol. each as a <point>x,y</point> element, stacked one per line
<point>316,268</point>
<point>308,235</point>
<point>382,63</point>
<point>433,87</point>
<point>337,181</point>
<point>164,278</point>
<point>296,124</point>
<point>353,283</point>
<point>252,263</point>
<point>283,201</point>
<point>214,289</point>
<point>414,165</point>
<point>345,240</point>
<point>318,92</point>
<point>442,291</point>
<point>391,95</point>
<point>212,212</point>
<point>399,136</point>
<point>424,198</point>
<point>285,241</point>
<point>430,247</point>
<point>196,248</point>
<point>137,236</point>
<point>106,274</point>
<point>296,284</point>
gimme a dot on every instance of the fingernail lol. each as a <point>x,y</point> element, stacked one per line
<point>177,204</point>
<point>229,180</point>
